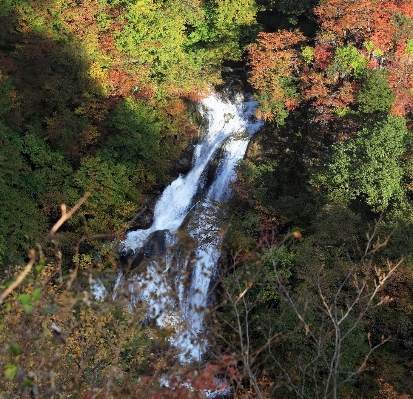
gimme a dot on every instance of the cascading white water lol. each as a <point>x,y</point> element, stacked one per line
<point>230,124</point>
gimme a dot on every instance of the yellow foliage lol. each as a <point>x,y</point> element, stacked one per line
<point>69,341</point>
<point>100,76</point>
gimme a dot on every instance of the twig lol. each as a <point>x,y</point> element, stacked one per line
<point>32,254</point>
<point>66,215</point>
<point>20,278</point>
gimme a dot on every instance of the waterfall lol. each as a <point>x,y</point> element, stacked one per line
<point>230,125</point>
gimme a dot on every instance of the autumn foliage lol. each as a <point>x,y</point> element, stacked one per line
<point>354,37</point>
<point>274,58</point>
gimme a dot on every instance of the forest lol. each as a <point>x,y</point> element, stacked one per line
<point>314,294</point>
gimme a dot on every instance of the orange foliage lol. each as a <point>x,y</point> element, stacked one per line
<point>274,56</point>
<point>356,21</point>
<point>405,7</point>
<point>106,42</point>
<point>82,16</point>
<point>291,103</point>
<point>178,120</point>
<point>400,70</point>
<point>124,83</point>
<point>270,49</point>
<point>346,93</point>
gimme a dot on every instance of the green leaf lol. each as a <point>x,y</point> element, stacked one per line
<point>14,349</point>
<point>40,266</point>
<point>36,295</point>
<point>409,46</point>
<point>6,285</point>
<point>27,308</point>
<point>25,300</point>
<point>10,371</point>
<point>28,382</point>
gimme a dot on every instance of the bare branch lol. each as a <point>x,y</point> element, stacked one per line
<point>20,278</point>
<point>66,215</point>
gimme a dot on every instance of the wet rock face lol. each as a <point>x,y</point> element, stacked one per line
<point>184,164</point>
<point>145,219</point>
<point>156,244</point>
<point>130,260</point>
<point>154,248</point>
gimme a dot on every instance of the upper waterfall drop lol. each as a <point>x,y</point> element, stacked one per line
<point>230,125</point>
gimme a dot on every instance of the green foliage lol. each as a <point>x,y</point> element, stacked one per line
<point>296,8</point>
<point>243,231</point>
<point>403,25</point>
<point>190,40</point>
<point>409,46</point>
<point>10,371</point>
<point>234,26</point>
<point>113,199</point>
<point>20,219</point>
<point>14,349</point>
<point>367,167</point>
<point>6,93</point>
<point>375,94</point>
<point>275,108</point>
<point>83,343</point>
<point>49,169</point>
<point>137,133</point>
<point>369,45</point>
<point>25,300</point>
<point>348,61</point>
<point>286,261</point>
<point>223,29</point>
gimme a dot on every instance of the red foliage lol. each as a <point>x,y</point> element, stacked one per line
<point>323,55</point>
<point>123,83</point>
<point>82,17</point>
<point>270,47</point>
<point>154,44</point>
<point>356,21</point>
<point>353,22</point>
<point>405,7</point>
<point>107,43</point>
<point>317,88</point>
<point>274,56</point>
<point>400,70</point>
<point>373,64</point>
<point>195,96</point>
